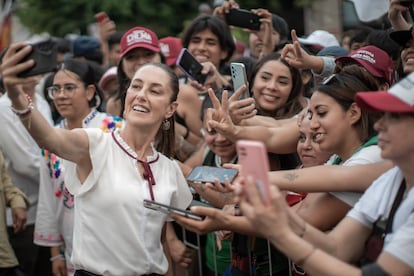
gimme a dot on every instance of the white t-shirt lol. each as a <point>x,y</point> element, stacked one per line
<point>376,203</point>
<point>367,155</point>
<point>114,234</point>
<point>22,154</point>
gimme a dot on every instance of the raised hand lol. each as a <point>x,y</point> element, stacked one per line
<point>240,110</point>
<point>269,220</point>
<point>218,117</point>
<point>11,66</point>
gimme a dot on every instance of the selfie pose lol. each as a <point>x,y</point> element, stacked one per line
<point>110,174</point>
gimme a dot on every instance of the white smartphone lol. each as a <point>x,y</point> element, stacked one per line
<point>166,209</point>
<point>254,162</point>
<point>239,78</point>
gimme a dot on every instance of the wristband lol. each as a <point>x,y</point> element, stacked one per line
<point>57,257</point>
<point>27,110</point>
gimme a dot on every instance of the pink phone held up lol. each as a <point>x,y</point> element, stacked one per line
<point>254,162</point>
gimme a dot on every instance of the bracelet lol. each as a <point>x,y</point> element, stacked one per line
<point>302,261</point>
<point>27,110</point>
<point>187,133</point>
<point>57,257</point>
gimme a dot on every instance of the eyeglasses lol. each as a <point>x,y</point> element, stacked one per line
<point>67,90</point>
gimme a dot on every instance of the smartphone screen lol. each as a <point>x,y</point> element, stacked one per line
<point>254,161</point>
<point>166,209</point>
<point>239,78</point>
<point>243,19</point>
<point>190,66</point>
<point>204,174</point>
<point>44,54</point>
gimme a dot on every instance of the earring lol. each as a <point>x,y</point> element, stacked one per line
<point>98,101</point>
<point>166,125</point>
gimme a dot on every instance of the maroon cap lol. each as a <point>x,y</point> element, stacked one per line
<point>398,99</point>
<point>374,60</point>
<point>170,48</point>
<point>139,37</point>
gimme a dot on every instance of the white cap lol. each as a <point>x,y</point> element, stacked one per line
<point>320,37</point>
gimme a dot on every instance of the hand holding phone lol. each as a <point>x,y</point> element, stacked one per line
<point>239,78</point>
<point>204,174</point>
<point>191,66</point>
<point>166,209</point>
<point>254,161</point>
<point>243,19</point>
<point>44,54</point>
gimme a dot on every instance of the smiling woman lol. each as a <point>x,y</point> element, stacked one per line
<point>110,174</point>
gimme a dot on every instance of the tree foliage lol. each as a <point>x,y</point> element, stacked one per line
<point>165,17</point>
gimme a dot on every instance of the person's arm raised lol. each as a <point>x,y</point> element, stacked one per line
<point>329,178</point>
<point>70,145</point>
<point>281,139</point>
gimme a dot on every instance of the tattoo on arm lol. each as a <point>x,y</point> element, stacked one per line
<point>291,176</point>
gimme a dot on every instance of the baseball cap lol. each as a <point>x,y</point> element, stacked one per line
<point>109,74</point>
<point>374,60</point>
<point>85,45</point>
<point>170,48</point>
<point>320,37</point>
<point>402,37</point>
<point>334,51</point>
<point>398,99</point>
<point>139,37</point>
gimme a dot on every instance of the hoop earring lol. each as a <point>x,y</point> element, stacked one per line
<point>166,125</point>
<point>98,101</point>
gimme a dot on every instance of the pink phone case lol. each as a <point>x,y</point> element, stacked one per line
<point>254,161</point>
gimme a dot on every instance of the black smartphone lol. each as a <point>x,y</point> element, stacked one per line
<point>239,78</point>
<point>44,54</point>
<point>166,209</point>
<point>243,19</point>
<point>204,174</point>
<point>190,66</point>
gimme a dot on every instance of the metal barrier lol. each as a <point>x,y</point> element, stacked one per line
<point>200,260</point>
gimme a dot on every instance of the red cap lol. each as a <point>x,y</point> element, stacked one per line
<point>374,60</point>
<point>139,37</point>
<point>170,48</point>
<point>398,99</point>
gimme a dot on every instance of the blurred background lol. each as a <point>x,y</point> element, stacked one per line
<point>23,19</point>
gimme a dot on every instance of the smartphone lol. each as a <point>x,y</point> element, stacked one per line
<point>239,78</point>
<point>100,17</point>
<point>204,174</point>
<point>166,209</point>
<point>252,156</point>
<point>243,19</point>
<point>190,66</point>
<point>44,54</point>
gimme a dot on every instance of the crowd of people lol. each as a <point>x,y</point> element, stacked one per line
<point>118,123</point>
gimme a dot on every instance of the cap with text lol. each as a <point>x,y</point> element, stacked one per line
<point>170,48</point>
<point>139,37</point>
<point>374,60</point>
<point>398,99</point>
